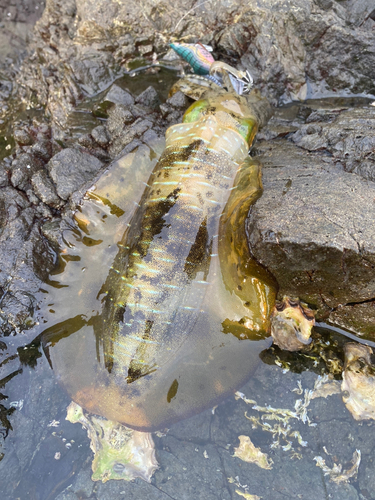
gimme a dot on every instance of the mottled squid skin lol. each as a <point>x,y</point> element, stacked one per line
<point>185,308</point>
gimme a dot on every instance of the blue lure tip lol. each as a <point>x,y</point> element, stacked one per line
<point>196,55</point>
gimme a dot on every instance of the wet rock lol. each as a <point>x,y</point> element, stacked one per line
<point>70,169</point>
<point>24,260</point>
<point>149,136</point>
<point>31,196</point>
<point>86,141</point>
<point>294,50</point>
<point>349,138</point>
<point>145,50</point>
<point>100,136</point>
<point>118,95</point>
<point>178,100</point>
<point>52,231</point>
<point>148,98</point>
<point>173,109</point>
<point>170,114</point>
<point>358,12</point>
<point>93,72</point>
<point>42,149</point>
<point>135,131</point>
<point>22,137</point>
<point>313,230</point>
<point>118,116</point>
<point>45,189</point>
<point>4,177</point>
<point>23,167</point>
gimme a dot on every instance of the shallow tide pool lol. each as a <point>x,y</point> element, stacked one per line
<point>311,444</point>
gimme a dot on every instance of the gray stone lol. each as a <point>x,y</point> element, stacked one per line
<point>4,178</point>
<point>24,261</point>
<point>100,136</point>
<point>149,136</point>
<point>52,231</point>
<point>93,72</point>
<point>45,189</point>
<point>367,480</point>
<point>118,116</point>
<point>22,137</point>
<point>86,141</point>
<point>145,50</point>
<point>293,49</point>
<point>349,138</point>
<point>33,199</point>
<point>42,149</point>
<point>178,100</point>
<point>312,229</point>
<point>133,131</point>
<point>358,11</point>
<point>149,98</point>
<point>118,95</point>
<point>170,113</point>
<point>70,169</point>
<point>23,167</point>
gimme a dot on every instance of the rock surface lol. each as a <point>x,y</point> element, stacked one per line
<point>48,457</point>
<point>294,49</point>
<point>70,169</point>
<point>313,228</point>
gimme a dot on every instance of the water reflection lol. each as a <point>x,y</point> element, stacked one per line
<point>196,455</point>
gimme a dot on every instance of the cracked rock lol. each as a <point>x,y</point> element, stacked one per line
<point>22,137</point>
<point>117,95</point>
<point>349,138</point>
<point>314,229</point>
<point>70,169</point>
<point>23,167</point>
<point>135,131</point>
<point>45,189</point>
<point>118,116</point>
<point>100,136</point>
<point>148,98</point>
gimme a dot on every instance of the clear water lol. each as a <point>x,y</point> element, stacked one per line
<point>45,457</point>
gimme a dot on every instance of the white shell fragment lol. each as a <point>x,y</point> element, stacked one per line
<point>335,473</point>
<point>358,384</point>
<point>247,452</point>
<point>279,421</point>
<point>248,496</point>
<point>239,491</point>
<point>119,452</point>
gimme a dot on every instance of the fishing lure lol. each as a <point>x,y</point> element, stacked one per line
<point>197,55</point>
<point>203,63</point>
